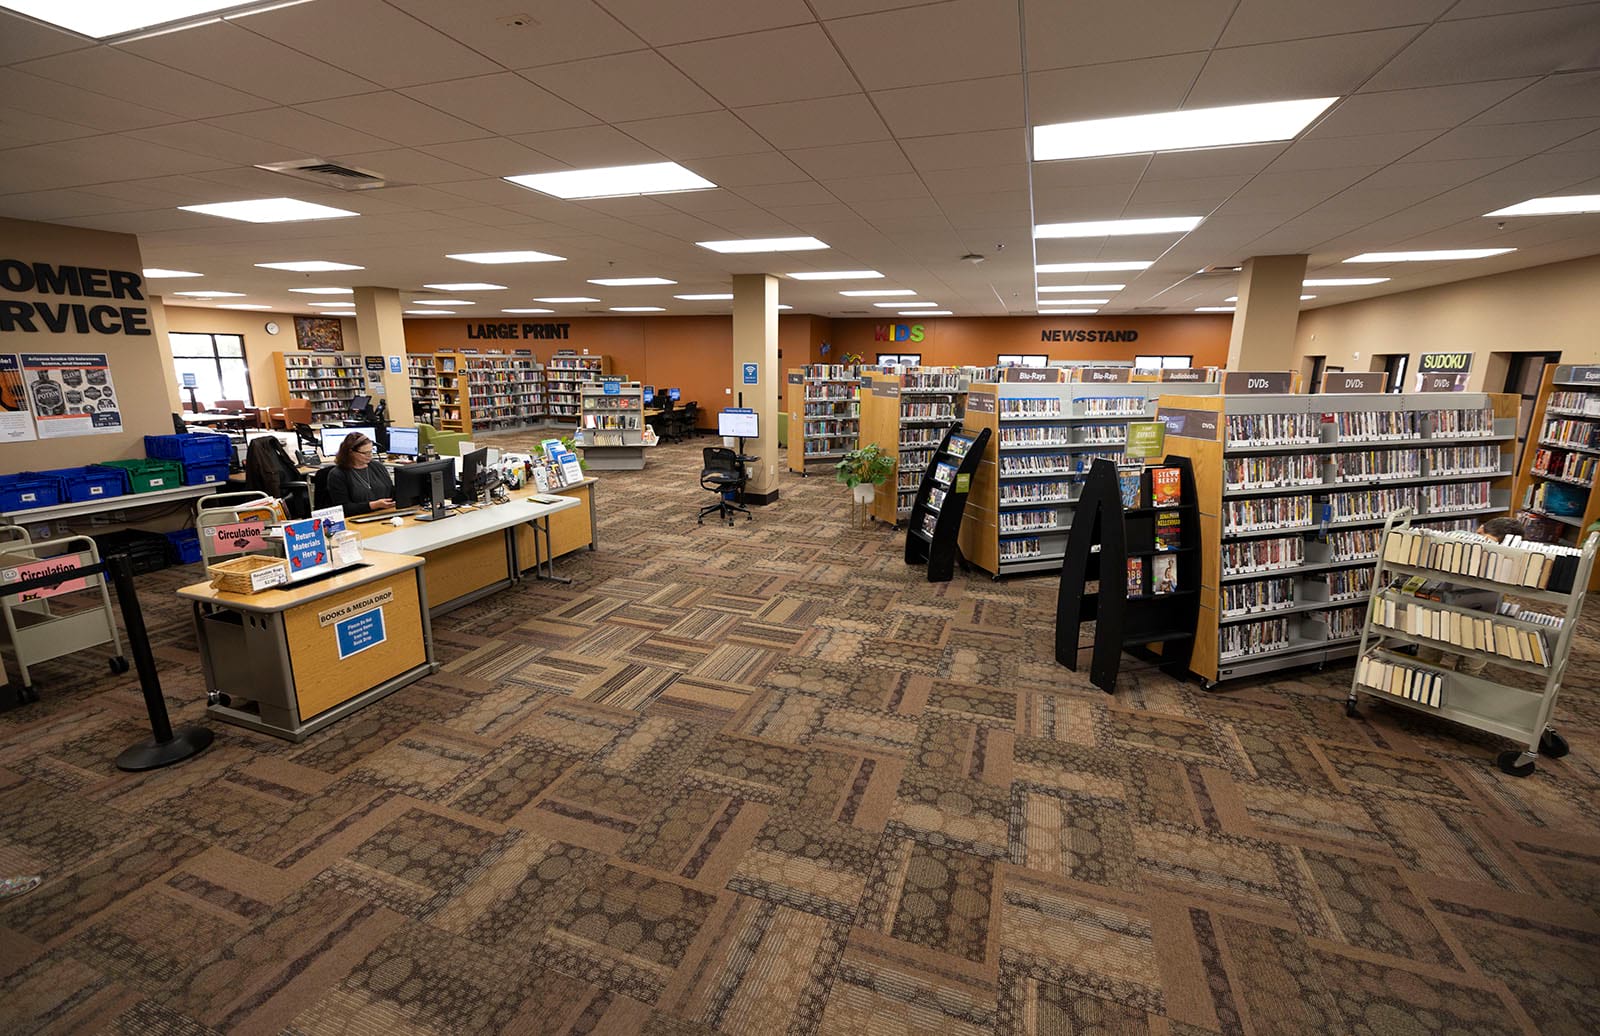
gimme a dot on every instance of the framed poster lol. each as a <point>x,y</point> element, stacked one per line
<point>319,334</point>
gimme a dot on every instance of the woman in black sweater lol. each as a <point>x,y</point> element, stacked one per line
<point>358,483</point>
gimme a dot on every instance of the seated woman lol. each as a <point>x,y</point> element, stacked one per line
<point>358,483</point>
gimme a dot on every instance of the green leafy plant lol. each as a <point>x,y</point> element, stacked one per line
<point>572,446</point>
<point>865,465</point>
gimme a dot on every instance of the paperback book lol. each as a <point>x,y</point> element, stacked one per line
<point>1164,574</point>
<point>1169,530</point>
<point>1136,577</point>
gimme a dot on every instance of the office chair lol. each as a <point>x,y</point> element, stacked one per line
<point>723,473</point>
<point>691,419</point>
<point>319,486</point>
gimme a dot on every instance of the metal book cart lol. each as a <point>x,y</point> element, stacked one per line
<point>38,632</point>
<point>1517,713</point>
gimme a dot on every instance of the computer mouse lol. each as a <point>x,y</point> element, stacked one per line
<point>397,520</point>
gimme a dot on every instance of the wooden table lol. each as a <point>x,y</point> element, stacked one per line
<point>293,659</point>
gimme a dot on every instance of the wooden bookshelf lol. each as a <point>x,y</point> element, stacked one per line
<point>504,392</point>
<point>824,404</point>
<point>326,380</point>
<point>564,379</point>
<point>1272,470</point>
<point>1562,457</point>
<point>450,370</point>
<point>906,414</point>
<point>424,388</point>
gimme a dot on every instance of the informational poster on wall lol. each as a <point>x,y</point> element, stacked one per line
<point>71,394</point>
<point>16,421</point>
<point>374,366</point>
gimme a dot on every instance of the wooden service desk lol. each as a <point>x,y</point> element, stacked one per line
<point>475,553</point>
<point>293,659</point>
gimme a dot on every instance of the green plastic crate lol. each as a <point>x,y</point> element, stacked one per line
<point>151,476</point>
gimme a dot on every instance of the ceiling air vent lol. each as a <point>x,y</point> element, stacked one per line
<point>328,174</point>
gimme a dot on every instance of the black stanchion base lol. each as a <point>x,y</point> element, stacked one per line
<point>151,755</point>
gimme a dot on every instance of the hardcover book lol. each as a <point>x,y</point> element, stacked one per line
<point>1169,530</point>
<point>1136,577</point>
<point>1128,482</point>
<point>1164,575</point>
<point>1164,487</point>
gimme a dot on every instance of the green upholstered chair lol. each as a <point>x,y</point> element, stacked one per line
<point>783,430</point>
<point>448,444</point>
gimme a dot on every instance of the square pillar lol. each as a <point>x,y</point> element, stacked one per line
<point>1266,314</point>
<point>755,343</point>
<point>381,332</point>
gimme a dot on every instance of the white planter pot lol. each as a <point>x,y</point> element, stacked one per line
<point>865,493</point>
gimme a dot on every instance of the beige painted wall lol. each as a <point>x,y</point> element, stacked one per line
<point>141,365</point>
<point>1544,308</point>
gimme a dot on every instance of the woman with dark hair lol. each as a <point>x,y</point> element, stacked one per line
<point>267,466</point>
<point>358,483</point>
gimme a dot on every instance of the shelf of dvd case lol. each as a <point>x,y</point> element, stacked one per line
<point>824,406</point>
<point>1418,574</point>
<point>1555,487</point>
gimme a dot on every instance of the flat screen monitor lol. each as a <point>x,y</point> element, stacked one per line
<point>649,394</point>
<point>674,394</point>
<point>359,403</point>
<point>416,486</point>
<point>737,424</point>
<point>333,437</point>
<point>472,464</point>
<point>403,441</point>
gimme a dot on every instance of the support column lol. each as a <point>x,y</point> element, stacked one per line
<point>381,332</point>
<point>755,341</point>
<point>1265,316</point>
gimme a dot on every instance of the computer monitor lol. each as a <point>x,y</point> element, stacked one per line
<point>674,394</point>
<point>403,441</point>
<point>472,464</point>
<point>429,484</point>
<point>649,394</point>
<point>737,423</point>
<point>359,403</point>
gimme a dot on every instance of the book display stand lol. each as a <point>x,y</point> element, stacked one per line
<point>1555,488</point>
<point>1509,637</point>
<point>941,501</point>
<point>1146,558</point>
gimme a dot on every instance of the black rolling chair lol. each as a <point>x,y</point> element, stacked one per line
<point>723,472</point>
<point>319,486</point>
<point>690,419</point>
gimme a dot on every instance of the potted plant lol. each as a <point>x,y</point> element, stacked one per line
<point>863,470</point>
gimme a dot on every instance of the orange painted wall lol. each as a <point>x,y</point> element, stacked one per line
<point>954,341</point>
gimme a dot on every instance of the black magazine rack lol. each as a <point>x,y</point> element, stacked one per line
<point>941,500</point>
<point>1122,618</point>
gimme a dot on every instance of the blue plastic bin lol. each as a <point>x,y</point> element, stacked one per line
<point>24,492</point>
<point>95,482</point>
<point>199,473</point>
<point>190,448</point>
<point>184,547</point>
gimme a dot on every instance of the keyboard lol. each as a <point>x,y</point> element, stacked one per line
<point>381,516</point>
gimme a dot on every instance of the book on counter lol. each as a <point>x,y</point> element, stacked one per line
<point>1136,577</point>
<point>1165,487</point>
<point>1164,574</point>
<point>1169,530</point>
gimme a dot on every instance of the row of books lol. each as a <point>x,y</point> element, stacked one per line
<point>1570,467</point>
<point>908,479</point>
<point>1028,521</point>
<point>1267,512</point>
<point>1034,435</point>
<point>1249,638</point>
<point>1163,576</point>
<point>1348,583</point>
<point>1256,595</point>
<point>1366,465</point>
<point>932,380</point>
<point>1363,504</point>
<point>1454,496</point>
<point>1343,623</point>
<point>1018,407</point>
<point>1107,434</point>
<point>1354,544</point>
<point>833,371</point>
<point>1460,424</point>
<point>1557,498</point>
<point>915,459</point>
<point>1513,610</point>
<point>1110,406</point>
<point>837,393</point>
<point>1037,464</point>
<point>918,436</point>
<point>1038,492</point>
<point>1566,401</point>
<point>1020,549</point>
<point>1273,471</point>
<point>1567,432</point>
<point>1268,554</point>
<point>1471,630</point>
<point>928,411</point>
<point>1273,429</point>
<point>1375,425</point>
<point>1410,682</point>
<point>1541,566</point>
<point>1463,460</point>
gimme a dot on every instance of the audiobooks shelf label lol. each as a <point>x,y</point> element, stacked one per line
<point>16,423</point>
<point>71,394</point>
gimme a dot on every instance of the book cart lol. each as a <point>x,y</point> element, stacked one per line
<point>1530,641</point>
<point>906,415</point>
<point>564,378</point>
<point>1047,435</point>
<point>1555,487</point>
<point>824,406</point>
<point>612,425</point>
<point>1121,548</point>
<point>1293,493</point>
<point>940,501</point>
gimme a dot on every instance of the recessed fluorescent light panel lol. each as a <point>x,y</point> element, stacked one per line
<point>764,244</point>
<point>1437,255</point>
<point>618,181</point>
<point>559,299</point>
<point>270,210</point>
<point>835,275</point>
<point>339,313</point>
<point>880,293</point>
<point>428,312</point>
<point>1569,205</point>
<point>1213,309</point>
<point>1120,266</point>
<point>156,271</point>
<point>468,286</point>
<point>341,304</point>
<point>1073,302</point>
<point>1051,289</point>
<point>1235,298</point>
<point>442,302</point>
<point>503,258</point>
<point>310,266</point>
<point>782,306</point>
<point>715,297</point>
<point>1118,227</point>
<point>1188,130</point>
<point>629,282</point>
<point>637,309</point>
<point>211,294</point>
<point>102,20</point>
<point>903,305</point>
<point>1341,282</point>
<point>927,313</point>
<point>324,291</point>
<point>1067,312</point>
<point>527,311</point>
<point>241,305</point>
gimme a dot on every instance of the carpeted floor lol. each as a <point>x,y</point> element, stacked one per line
<point>765,780</point>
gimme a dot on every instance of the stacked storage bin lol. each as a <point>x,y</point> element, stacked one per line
<point>204,457</point>
<point>79,485</point>
<point>150,476</point>
<point>25,491</point>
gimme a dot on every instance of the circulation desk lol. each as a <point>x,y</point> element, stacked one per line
<point>294,659</point>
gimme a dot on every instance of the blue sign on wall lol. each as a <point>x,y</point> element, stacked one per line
<point>751,373</point>
<point>611,387</point>
<point>394,365</point>
<point>359,632</point>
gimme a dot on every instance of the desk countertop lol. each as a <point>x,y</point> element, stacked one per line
<point>414,537</point>
<point>377,565</point>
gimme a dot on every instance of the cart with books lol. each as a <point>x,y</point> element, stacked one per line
<point>1529,631</point>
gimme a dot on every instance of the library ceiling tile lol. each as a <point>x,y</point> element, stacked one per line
<point>69,103</point>
<point>966,150</point>
<point>1505,46</point>
<point>1207,162</point>
<point>1096,32</point>
<point>847,160</point>
<point>211,141</point>
<point>1503,140</point>
<point>586,147</point>
<point>750,170</point>
<point>1116,88</point>
<point>790,64</point>
<point>624,87</point>
<point>1330,66</point>
<point>1268,21</point>
<point>981,180</point>
<point>115,72</point>
<point>963,39</point>
<point>497,157</point>
<point>230,54</point>
<point>1366,150</point>
<point>698,135</point>
<point>373,40</point>
<point>556,30</point>
<point>1567,95</point>
<point>300,133</point>
<point>395,117</point>
<point>964,107</point>
<point>662,24</point>
<point>1419,108</point>
<point>503,103</point>
<point>846,119</point>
